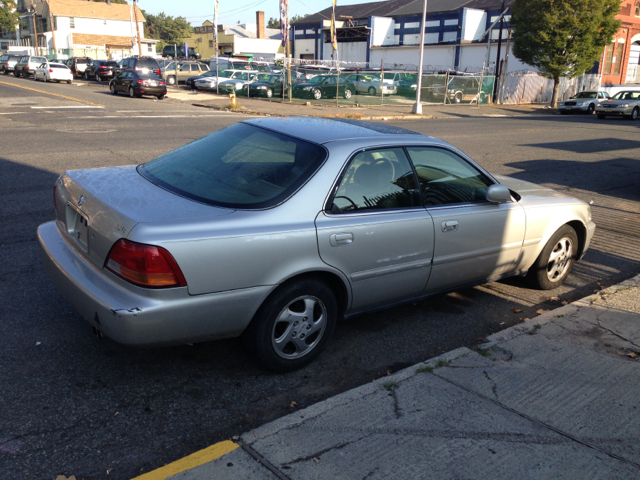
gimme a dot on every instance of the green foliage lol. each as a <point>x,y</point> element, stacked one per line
<point>9,17</point>
<point>166,28</point>
<point>295,18</point>
<point>563,38</point>
<point>273,23</point>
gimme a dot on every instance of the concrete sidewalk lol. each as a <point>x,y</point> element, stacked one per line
<point>554,397</point>
<point>363,112</point>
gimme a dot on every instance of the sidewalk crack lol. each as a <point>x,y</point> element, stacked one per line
<point>494,388</point>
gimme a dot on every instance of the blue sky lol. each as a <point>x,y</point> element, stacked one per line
<point>232,11</point>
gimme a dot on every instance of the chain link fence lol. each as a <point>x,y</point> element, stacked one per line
<point>529,87</point>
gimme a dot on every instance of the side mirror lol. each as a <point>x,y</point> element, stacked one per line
<point>498,193</point>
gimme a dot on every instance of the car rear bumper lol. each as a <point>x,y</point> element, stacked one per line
<point>152,90</point>
<point>138,316</point>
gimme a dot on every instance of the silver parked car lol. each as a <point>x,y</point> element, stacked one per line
<point>625,103</point>
<point>370,84</point>
<point>583,102</point>
<point>274,228</point>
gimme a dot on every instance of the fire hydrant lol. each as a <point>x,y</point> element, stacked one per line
<point>232,96</point>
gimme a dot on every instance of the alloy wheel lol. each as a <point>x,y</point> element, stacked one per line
<point>317,94</point>
<point>560,259</point>
<point>299,327</point>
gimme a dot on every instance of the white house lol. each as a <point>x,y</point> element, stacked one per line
<point>94,29</point>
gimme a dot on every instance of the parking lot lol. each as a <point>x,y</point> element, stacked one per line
<point>95,409</point>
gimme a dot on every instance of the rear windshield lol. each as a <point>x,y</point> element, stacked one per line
<point>149,63</point>
<point>38,60</point>
<point>83,60</point>
<point>110,64</point>
<point>241,166</point>
<point>148,76</point>
<point>57,65</point>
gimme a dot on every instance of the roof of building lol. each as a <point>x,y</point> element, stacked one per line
<point>85,9</point>
<point>270,33</point>
<point>399,8</point>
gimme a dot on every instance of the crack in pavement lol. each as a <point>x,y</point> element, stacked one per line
<point>494,388</point>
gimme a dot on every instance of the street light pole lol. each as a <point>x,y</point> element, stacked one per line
<point>417,108</point>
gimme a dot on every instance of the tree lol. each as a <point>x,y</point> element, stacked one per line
<point>273,23</point>
<point>166,28</point>
<point>562,38</point>
<point>295,18</point>
<point>9,16</point>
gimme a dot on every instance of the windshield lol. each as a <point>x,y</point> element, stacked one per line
<point>226,74</point>
<point>626,96</point>
<point>241,166</point>
<point>209,74</point>
<point>586,95</point>
<point>242,76</point>
<point>389,76</point>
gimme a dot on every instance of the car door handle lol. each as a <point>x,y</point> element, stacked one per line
<point>340,239</point>
<point>450,226</point>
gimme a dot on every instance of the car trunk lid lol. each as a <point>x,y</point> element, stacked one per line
<point>97,207</point>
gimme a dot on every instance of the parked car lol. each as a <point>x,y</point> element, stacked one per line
<point>179,72</point>
<point>78,65</point>
<point>459,89</point>
<point>625,103</point>
<point>209,82</point>
<point>27,65</point>
<point>48,72</point>
<point>191,81</point>
<point>169,51</point>
<point>370,84</point>
<point>583,102</point>
<point>408,86</point>
<point>101,70</point>
<point>264,85</point>
<point>323,86</point>
<point>235,84</point>
<point>142,65</point>
<point>8,63</point>
<point>277,227</point>
<point>137,84</point>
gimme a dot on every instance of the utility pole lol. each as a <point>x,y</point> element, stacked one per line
<point>35,31</point>
<point>417,108</point>
<point>53,32</point>
<point>135,12</point>
<point>495,82</point>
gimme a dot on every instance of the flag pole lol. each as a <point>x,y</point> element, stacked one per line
<point>215,43</point>
<point>417,108</point>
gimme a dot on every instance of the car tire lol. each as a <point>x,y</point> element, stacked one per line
<point>132,92</point>
<point>112,89</point>
<point>634,114</point>
<point>347,93</point>
<point>276,335</point>
<point>16,74</point>
<point>372,91</point>
<point>601,117</point>
<point>458,98</point>
<point>171,80</point>
<point>5,71</point>
<point>86,76</point>
<point>44,79</point>
<point>160,97</point>
<point>68,82</point>
<point>317,93</point>
<point>269,93</point>
<point>592,109</point>
<point>98,79</point>
<point>554,263</point>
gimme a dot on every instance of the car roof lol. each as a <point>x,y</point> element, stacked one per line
<point>324,130</point>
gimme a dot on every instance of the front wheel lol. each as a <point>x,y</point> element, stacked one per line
<point>317,94</point>
<point>112,89</point>
<point>171,80</point>
<point>98,79</point>
<point>86,76</point>
<point>555,261</point>
<point>269,93</point>
<point>132,93</point>
<point>347,93</point>
<point>634,114</point>
<point>372,91</point>
<point>592,109</point>
<point>44,78</point>
<point>293,326</point>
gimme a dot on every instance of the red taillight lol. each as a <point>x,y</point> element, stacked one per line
<point>144,265</point>
<point>162,83</point>
<point>158,72</point>
<point>102,67</point>
<point>51,70</point>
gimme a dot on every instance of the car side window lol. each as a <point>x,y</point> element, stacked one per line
<point>378,180</point>
<point>446,178</point>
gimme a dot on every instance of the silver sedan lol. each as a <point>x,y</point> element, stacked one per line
<point>583,102</point>
<point>275,228</point>
<point>625,103</point>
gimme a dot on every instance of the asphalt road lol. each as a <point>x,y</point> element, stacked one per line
<point>75,405</point>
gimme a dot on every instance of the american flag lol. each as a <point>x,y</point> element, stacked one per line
<point>334,39</point>
<point>284,21</point>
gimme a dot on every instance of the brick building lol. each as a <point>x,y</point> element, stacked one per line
<point>621,59</point>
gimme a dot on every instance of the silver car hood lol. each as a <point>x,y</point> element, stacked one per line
<point>531,191</point>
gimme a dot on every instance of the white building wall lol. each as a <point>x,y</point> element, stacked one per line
<point>93,26</point>
<point>347,51</point>
<point>255,45</point>
<point>305,46</point>
<point>474,56</point>
<point>382,31</point>
<point>440,56</point>
<point>473,24</point>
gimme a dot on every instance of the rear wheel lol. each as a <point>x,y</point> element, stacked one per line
<point>555,261</point>
<point>293,326</point>
<point>160,97</point>
<point>86,76</point>
<point>69,82</point>
<point>458,98</point>
<point>44,77</point>
<point>347,93</point>
<point>98,79</point>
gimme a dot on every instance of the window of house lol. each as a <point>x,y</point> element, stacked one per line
<point>150,47</point>
<point>618,64</point>
<point>210,43</point>
<point>608,58</point>
<point>72,22</point>
<point>637,9</point>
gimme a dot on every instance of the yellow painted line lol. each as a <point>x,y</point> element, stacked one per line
<point>54,94</point>
<point>195,459</point>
